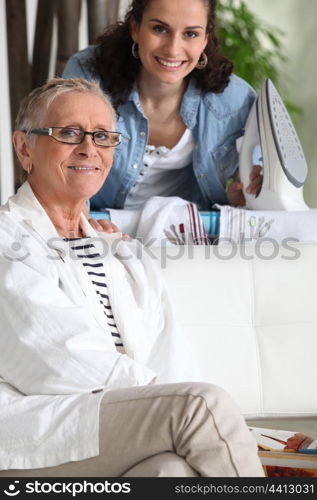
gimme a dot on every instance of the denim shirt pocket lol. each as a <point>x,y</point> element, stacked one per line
<point>225,158</point>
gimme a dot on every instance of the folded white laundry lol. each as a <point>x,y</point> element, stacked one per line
<point>162,221</point>
<point>240,225</point>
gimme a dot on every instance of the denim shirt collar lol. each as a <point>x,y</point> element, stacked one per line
<point>189,106</point>
<point>135,98</point>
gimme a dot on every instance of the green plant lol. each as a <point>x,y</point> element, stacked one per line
<point>254,47</point>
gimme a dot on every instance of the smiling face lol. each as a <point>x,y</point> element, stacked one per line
<point>171,38</point>
<point>68,173</point>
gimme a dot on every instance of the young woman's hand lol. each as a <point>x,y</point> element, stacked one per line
<point>256,179</point>
<point>235,194</point>
<point>106,226</point>
<point>103,225</point>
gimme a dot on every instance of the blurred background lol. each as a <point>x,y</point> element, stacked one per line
<point>263,38</point>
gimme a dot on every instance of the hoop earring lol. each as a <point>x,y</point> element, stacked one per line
<point>135,50</point>
<point>203,60</point>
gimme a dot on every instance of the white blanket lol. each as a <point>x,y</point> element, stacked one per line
<point>162,221</point>
<point>240,225</point>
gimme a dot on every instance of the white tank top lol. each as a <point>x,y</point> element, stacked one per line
<point>165,172</point>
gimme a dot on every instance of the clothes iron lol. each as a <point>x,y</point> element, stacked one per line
<point>270,140</point>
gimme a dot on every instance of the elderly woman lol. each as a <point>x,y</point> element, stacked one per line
<point>88,339</point>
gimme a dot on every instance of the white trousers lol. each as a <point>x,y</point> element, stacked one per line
<point>181,430</point>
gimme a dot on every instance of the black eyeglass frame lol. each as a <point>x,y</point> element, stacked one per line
<point>49,132</point>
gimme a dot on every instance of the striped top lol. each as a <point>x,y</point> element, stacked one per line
<point>87,254</point>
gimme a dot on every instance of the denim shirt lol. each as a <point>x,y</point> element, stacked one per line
<point>216,121</point>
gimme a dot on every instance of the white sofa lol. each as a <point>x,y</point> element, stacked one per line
<point>250,314</point>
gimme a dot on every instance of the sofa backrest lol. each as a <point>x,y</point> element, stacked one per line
<point>250,314</point>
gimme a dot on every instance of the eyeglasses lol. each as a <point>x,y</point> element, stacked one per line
<point>69,135</point>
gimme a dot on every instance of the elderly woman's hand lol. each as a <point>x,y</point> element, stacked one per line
<point>103,225</point>
<point>235,194</point>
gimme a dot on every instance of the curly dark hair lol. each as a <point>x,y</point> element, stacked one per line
<point>118,69</point>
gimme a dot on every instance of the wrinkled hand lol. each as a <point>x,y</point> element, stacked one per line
<point>103,225</point>
<point>235,194</point>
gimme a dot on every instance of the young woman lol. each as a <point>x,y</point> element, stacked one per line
<point>180,107</point>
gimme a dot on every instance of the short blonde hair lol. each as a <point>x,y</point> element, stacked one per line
<point>34,107</point>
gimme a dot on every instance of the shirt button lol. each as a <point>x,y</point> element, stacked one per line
<point>142,134</point>
<point>201,176</point>
<point>135,165</point>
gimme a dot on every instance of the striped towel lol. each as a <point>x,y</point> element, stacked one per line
<point>163,221</point>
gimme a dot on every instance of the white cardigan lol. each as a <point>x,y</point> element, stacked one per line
<point>54,351</point>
